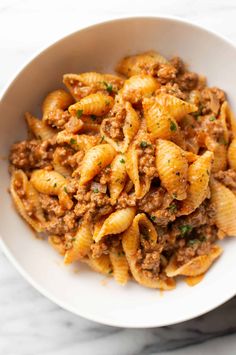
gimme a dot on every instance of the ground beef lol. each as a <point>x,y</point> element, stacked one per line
<point>92,205</point>
<point>187,81</point>
<point>58,118</point>
<point>51,206</point>
<point>106,244</point>
<point>211,100</point>
<point>178,64</point>
<point>126,200</point>
<point>228,178</point>
<point>146,160</point>
<point>64,155</point>
<point>159,205</point>
<point>32,154</point>
<point>62,225</point>
<point>104,176</point>
<point>173,89</point>
<point>166,73</point>
<point>114,126</point>
<point>209,128</point>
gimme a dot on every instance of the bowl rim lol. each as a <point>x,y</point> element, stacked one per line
<point>10,256</point>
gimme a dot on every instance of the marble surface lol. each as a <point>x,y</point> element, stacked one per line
<point>31,324</point>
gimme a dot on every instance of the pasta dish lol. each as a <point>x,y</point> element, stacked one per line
<point>133,174</point>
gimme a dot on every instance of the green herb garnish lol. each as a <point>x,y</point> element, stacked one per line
<point>102,139</point>
<point>185,229</point>
<point>73,141</point>
<point>79,113</point>
<point>153,218</point>
<point>55,184</point>
<point>108,86</point>
<point>65,189</point>
<point>122,161</point>
<point>144,144</point>
<point>212,118</point>
<point>173,126</point>
<point>172,208</point>
<point>95,190</point>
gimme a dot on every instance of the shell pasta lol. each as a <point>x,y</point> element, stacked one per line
<point>132,174</point>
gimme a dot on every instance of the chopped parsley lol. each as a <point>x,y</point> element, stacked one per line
<point>73,141</point>
<point>93,117</point>
<point>153,218</point>
<point>185,229</point>
<point>65,189</point>
<point>48,179</point>
<point>122,161</point>
<point>173,126</point>
<point>79,113</point>
<point>99,163</point>
<point>95,190</point>
<point>110,272</point>
<point>212,118</point>
<point>102,139</point>
<point>108,86</point>
<point>172,208</point>
<point>192,242</point>
<point>55,184</point>
<point>144,144</point>
<point>107,102</point>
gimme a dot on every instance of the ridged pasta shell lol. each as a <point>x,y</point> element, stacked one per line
<point>57,164</point>
<point>39,128</point>
<point>224,201</point>
<point>78,142</point>
<point>220,154</point>
<point>51,183</point>
<point>142,227</point>
<point>37,220</point>
<point>197,266</point>
<point>58,99</point>
<point>120,266</point>
<point>117,178</point>
<point>95,104</point>
<point>172,167</point>
<point>101,264</point>
<point>142,63</point>
<point>177,108</point>
<point>160,123</point>
<point>130,128</point>
<point>116,223</point>
<point>138,87</point>
<point>232,154</point>
<point>81,85</point>
<point>74,125</point>
<point>96,159</point>
<point>198,179</point>
<point>81,244</point>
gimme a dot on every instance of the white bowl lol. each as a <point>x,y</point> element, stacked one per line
<point>99,48</point>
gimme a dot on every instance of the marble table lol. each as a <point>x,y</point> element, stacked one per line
<point>29,323</point>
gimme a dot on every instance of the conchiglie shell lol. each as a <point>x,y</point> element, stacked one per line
<point>57,243</point>
<point>116,223</point>
<point>167,284</point>
<point>117,178</point>
<point>232,154</point>
<point>97,227</point>
<point>81,85</point>
<point>81,244</point>
<point>177,108</point>
<point>139,86</point>
<point>78,142</point>
<point>159,122</point>
<point>96,159</point>
<point>95,104</point>
<point>130,128</point>
<point>58,99</point>
<point>198,178</point>
<point>39,128</point>
<point>172,167</point>
<point>220,154</point>
<point>224,201</point>
<point>131,237</point>
<point>51,183</point>
<point>142,63</point>
<point>35,223</point>
<point>101,264</point>
<point>120,266</point>
<point>197,266</point>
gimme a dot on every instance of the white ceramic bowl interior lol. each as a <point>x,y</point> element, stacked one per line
<point>83,292</point>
